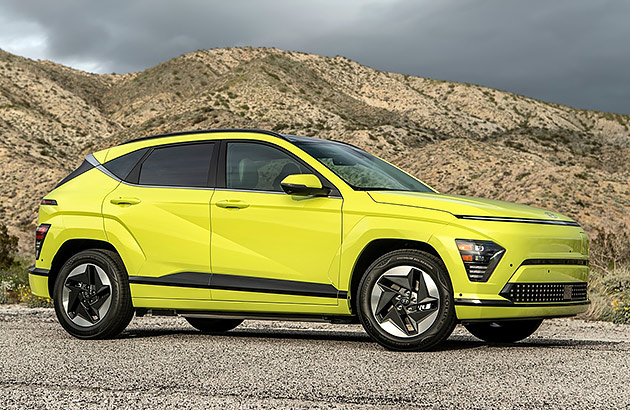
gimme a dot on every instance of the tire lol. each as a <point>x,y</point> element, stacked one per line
<point>92,282</point>
<point>213,326</point>
<point>508,331</point>
<point>388,310</point>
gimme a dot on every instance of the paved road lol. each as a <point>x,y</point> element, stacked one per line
<point>162,362</point>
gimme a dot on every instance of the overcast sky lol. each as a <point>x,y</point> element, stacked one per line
<point>574,52</point>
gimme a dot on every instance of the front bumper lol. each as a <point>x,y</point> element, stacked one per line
<point>38,281</point>
<point>535,290</point>
<point>491,310</point>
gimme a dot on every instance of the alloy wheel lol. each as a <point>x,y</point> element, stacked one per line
<point>86,295</point>
<point>405,301</point>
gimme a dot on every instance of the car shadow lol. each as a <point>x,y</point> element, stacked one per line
<point>271,333</point>
<point>459,342</point>
<point>454,342</point>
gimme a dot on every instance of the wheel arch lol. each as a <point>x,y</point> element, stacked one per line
<point>377,248</point>
<point>69,248</point>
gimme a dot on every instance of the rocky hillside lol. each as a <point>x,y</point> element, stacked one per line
<point>459,138</point>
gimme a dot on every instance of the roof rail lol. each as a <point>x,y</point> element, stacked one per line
<point>174,134</point>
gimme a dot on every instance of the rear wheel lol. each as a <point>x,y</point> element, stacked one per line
<point>503,331</point>
<point>91,295</point>
<point>405,301</point>
<point>210,325</point>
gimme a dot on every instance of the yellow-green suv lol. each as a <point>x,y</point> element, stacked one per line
<point>224,225</point>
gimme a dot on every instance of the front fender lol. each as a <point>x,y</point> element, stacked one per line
<point>359,232</point>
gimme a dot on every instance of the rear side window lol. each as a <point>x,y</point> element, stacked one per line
<point>179,165</point>
<point>85,166</point>
<point>122,166</point>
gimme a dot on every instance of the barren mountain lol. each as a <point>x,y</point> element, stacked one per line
<point>459,138</point>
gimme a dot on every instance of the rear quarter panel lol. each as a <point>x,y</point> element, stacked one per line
<point>77,214</point>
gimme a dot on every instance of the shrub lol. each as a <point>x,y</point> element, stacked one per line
<point>8,247</point>
<point>610,248</point>
<point>609,292</point>
<point>14,274</point>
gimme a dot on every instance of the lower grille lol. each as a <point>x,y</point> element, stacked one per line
<point>544,292</point>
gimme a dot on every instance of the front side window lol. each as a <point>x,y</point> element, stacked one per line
<point>178,165</point>
<point>360,170</point>
<point>258,167</point>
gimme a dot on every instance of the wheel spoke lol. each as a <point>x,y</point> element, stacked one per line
<point>387,288</point>
<point>73,285</point>
<point>87,295</point>
<point>92,312</point>
<point>418,315</point>
<point>91,275</point>
<point>103,291</point>
<point>401,298</point>
<point>402,281</point>
<point>73,300</point>
<point>395,316</point>
<point>385,301</point>
<point>423,292</point>
<point>102,295</point>
<point>82,312</point>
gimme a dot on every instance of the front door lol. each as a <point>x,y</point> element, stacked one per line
<point>268,246</point>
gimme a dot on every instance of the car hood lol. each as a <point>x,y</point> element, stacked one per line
<point>467,206</point>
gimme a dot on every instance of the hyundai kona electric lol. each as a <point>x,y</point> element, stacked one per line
<point>220,226</point>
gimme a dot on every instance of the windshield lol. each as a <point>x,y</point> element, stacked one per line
<point>360,170</point>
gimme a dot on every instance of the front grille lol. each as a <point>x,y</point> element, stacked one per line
<point>544,292</point>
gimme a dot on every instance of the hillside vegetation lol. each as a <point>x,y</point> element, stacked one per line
<point>459,138</point>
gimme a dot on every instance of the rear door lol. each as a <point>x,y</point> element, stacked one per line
<point>164,208</point>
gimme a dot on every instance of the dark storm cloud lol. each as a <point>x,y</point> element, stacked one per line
<point>574,52</point>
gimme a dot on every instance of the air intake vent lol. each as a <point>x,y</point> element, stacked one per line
<point>544,292</point>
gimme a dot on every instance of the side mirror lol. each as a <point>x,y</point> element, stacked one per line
<point>303,184</point>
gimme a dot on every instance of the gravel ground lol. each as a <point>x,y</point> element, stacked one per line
<point>163,362</point>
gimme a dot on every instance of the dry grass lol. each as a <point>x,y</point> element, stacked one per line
<point>609,291</point>
<point>14,286</point>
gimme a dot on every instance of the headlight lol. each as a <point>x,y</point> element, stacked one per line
<point>479,257</point>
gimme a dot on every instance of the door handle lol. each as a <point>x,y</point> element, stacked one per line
<point>125,201</point>
<point>232,204</point>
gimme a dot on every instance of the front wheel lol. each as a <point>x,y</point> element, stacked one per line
<point>405,301</point>
<point>503,331</point>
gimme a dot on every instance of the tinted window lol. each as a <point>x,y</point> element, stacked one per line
<point>259,167</point>
<point>122,166</point>
<point>85,166</point>
<point>180,165</point>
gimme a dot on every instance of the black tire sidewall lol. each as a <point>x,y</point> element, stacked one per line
<point>120,295</point>
<point>508,331</point>
<point>443,324</point>
<point>213,325</point>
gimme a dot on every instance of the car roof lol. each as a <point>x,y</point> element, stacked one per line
<point>294,139</point>
<point>174,134</point>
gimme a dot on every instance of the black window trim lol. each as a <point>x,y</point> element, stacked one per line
<point>85,166</point>
<point>134,176</point>
<point>221,182</point>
